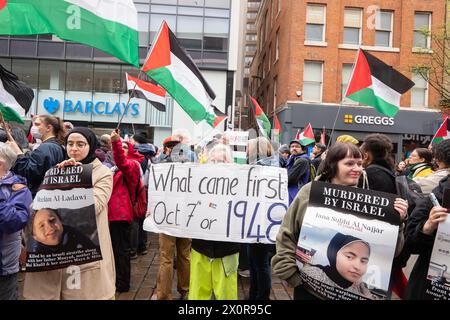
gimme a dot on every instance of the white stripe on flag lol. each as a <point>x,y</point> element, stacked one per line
<point>184,76</point>
<point>385,92</point>
<point>8,100</point>
<point>149,95</point>
<point>120,11</point>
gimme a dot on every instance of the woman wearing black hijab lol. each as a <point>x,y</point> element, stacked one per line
<point>96,279</point>
<point>342,166</point>
<point>348,259</point>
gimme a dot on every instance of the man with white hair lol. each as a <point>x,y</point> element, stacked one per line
<point>15,199</point>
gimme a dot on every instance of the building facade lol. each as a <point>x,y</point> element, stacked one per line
<point>87,87</point>
<point>247,52</point>
<point>306,51</point>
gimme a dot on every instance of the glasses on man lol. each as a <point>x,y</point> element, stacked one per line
<point>79,145</point>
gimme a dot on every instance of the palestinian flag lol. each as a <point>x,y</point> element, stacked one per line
<point>171,67</point>
<point>261,118</point>
<point>377,84</point>
<point>215,116</point>
<point>15,96</point>
<point>443,132</point>
<point>145,90</point>
<point>276,132</point>
<point>108,25</point>
<point>307,136</point>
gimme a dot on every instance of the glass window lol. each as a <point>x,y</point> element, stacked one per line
<point>217,3</point>
<point>218,13</point>
<point>346,74</point>
<point>6,63</point>
<point>352,26</point>
<point>163,9</point>
<point>75,50</point>
<point>51,49</point>
<point>190,11</point>
<point>165,1</point>
<point>4,47</point>
<point>315,23</point>
<point>23,48</point>
<point>27,71</point>
<point>216,34</point>
<point>142,7</point>
<point>195,3</point>
<point>79,76</point>
<point>215,58</point>
<point>143,20</point>
<point>190,32</point>
<point>383,29</point>
<point>52,75</point>
<point>107,78</point>
<point>421,30</point>
<point>419,93</point>
<point>312,81</point>
<point>155,24</point>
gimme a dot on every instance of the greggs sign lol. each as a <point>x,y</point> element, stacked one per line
<point>369,120</point>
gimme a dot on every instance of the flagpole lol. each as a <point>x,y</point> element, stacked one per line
<point>128,102</point>
<point>340,105</point>
<point>139,75</point>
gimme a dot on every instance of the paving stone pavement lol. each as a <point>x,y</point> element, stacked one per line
<point>144,271</point>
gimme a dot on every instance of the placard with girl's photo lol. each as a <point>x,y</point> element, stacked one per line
<point>347,242</point>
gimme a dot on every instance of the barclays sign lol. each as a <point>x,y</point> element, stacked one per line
<point>52,105</point>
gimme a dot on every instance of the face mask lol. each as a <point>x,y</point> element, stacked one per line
<point>35,133</point>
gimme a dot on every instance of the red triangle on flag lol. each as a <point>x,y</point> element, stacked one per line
<point>159,56</point>
<point>277,123</point>
<point>361,76</point>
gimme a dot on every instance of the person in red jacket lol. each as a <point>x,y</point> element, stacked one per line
<point>127,173</point>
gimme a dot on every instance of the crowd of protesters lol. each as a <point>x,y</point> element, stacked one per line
<point>205,269</point>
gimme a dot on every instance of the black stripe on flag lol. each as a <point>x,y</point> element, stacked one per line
<point>178,50</point>
<point>23,94</point>
<point>388,75</point>
<point>138,94</point>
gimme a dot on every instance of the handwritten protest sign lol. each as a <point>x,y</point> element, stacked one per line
<point>62,230</point>
<point>223,202</point>
<point>347,242</point>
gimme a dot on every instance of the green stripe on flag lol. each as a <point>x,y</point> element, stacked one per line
<point>366,96</point>
<point>189,104</point>
<point>9,114</point>
<point>72,23</point>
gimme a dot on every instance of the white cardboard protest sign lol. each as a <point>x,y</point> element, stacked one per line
<point>221,202</point>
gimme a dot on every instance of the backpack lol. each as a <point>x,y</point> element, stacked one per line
<point>139,199</point>
<point>406,188</point>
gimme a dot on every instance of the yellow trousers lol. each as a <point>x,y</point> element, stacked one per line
<point>209,276</point>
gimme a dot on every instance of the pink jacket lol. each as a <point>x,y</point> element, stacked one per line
<point>119,206</point>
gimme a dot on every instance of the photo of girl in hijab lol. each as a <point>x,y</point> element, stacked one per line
<point>50,235</point>
<point>348,259</point>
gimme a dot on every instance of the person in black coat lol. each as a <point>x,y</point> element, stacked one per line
<point>379,167</point>
<point>378,163</point>
<point>34,164</point>
<point>420,235</point>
